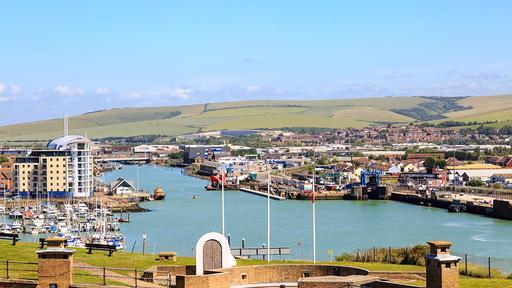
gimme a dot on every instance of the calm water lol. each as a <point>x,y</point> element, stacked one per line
<point>177,222</point>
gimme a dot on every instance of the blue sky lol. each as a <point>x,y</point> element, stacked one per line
<point>61,57</point>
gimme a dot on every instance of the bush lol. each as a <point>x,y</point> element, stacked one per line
<point>405,255</point>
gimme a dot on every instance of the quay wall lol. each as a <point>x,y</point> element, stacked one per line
<point>501,208</point>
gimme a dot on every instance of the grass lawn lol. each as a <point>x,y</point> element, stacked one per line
<point>25,252</point>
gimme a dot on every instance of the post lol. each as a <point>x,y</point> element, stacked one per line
<point>374,256</point>
<point>104,275</point>
<point>243,243</point>
<point>135,278</point>
<point>466,263</point>
<point>268,216</point>
<point>489,266</point>
<point>222,199</point>
<point>7,268</point>
<point>144,236</point>
<point>229,239</point>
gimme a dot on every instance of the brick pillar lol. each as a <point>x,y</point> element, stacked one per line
<point>55,265</point>
<point>442,267</point>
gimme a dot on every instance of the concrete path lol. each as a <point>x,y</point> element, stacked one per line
<point>127,279</point>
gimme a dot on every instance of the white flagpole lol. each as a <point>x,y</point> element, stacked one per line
<point>222,199</point>
<point>314,218</point>
<point>268,216</point>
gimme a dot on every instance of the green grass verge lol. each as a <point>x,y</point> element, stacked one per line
<point>25,252</point>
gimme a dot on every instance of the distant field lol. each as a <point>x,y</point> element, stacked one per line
<point>341,113</point>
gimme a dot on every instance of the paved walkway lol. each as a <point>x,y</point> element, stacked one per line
<point>127,278</point>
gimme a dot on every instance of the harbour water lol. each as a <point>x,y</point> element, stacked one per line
<point>176,223</point>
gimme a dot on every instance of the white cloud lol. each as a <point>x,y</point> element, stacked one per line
<point>8,93</point>
<point>15,90</point>
<point>181,93</point>
<point>69,91</point>
<point>102,91</point>
<point>252,88</point>
<point>397,75</point>
<point>3,88</point>
<point>134,95</point>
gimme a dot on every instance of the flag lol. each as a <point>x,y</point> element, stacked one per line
<point>299,243</point>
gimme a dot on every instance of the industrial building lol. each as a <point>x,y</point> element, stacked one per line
<point>195,153</point>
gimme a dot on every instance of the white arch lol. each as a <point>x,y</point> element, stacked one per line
<point>227,259</point>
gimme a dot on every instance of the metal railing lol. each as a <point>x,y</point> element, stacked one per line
<point>18,270</point>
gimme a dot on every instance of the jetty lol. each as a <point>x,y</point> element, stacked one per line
<point>264,194</point>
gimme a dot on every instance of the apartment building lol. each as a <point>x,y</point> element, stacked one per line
<point>65,169</point>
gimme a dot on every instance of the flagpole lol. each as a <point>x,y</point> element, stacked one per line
<point>314,218</point>
<point>222,199</point>
<point>268,216</point>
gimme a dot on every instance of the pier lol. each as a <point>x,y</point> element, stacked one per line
<point>274,197</point>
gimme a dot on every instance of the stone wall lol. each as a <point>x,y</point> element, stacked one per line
<point>163,271</point>
<point>385,284</point>
<point>286,272</point>
<point>262,274</point>
<point>214,280</point>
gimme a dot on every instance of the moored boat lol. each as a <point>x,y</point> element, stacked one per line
<point>158,194</point>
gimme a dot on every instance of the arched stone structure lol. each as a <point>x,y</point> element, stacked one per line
<point>211,249</point>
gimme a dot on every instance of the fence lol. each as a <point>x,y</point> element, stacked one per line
<point>18,270</point>
<point>472,265</point>
<point>496,193</point>
<point>120,276</point>
<point>484,267</point>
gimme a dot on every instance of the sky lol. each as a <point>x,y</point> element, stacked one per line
<point>71,57</point>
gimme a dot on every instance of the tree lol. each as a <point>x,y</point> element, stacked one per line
<point>3,159</point>
<point>430,163</point>
<point>475,183</point>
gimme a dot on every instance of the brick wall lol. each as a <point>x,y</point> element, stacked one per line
<point>18,283</point>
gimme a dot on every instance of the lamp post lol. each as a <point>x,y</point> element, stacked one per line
<point>314,216</point>
<point>268,215</point>
<point>222,200</point>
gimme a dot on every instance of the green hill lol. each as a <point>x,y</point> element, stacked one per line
<point>341,113</point>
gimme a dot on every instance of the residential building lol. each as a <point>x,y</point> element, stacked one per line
<point>65,169</point>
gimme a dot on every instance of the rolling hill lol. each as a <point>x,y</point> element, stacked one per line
<point>343,113</point>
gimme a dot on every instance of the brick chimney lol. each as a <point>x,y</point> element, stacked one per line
<point>55,264</point>
<point>442,267</point>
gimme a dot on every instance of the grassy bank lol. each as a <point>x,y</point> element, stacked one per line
<point>25,252</point>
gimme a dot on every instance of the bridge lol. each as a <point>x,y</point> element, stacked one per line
<point>138,159</point>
